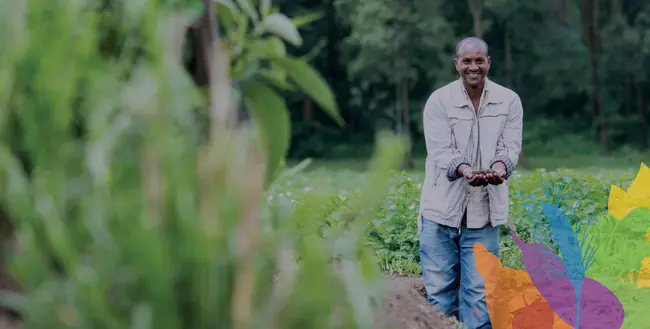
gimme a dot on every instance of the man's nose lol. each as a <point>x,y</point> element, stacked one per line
<point>473,66</point>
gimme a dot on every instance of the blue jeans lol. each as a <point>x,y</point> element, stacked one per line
<point>453,284</point>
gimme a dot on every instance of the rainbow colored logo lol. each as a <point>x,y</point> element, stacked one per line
<point>579,273</point>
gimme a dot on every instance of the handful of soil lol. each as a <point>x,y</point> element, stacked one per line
<point>485,177</point>
<point>484,173</point>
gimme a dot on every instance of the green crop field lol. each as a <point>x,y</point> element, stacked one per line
<point>393,231</point>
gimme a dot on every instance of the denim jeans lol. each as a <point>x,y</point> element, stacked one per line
<point>453,284</point>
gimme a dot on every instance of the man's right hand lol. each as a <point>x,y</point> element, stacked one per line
<point>473,178</point>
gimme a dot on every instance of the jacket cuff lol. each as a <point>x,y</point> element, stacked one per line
<point>510,166</point>
<point>452,169</point>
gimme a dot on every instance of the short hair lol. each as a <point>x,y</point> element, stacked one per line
<point>471,40</point>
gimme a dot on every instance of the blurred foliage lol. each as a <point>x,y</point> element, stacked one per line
<point>126,217</point>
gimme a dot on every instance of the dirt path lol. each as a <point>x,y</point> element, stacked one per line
<point>405,307</point>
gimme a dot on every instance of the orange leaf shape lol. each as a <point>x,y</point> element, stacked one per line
<point>513,301</point>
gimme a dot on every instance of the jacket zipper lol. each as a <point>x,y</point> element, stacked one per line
<point>478,146</point>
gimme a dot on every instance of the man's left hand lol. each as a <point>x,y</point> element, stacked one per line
<point>498,175</point>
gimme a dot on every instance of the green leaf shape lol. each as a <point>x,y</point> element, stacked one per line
<point>282,26</point>
<point>227,13</point>
<point>311,83</point>
<point>247,8</point>
<point>306,19</point>
<point>271,115</point>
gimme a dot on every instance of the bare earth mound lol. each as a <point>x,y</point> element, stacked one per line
<point>405,307</point>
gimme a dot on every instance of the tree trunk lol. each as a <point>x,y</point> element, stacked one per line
<point>307,110</point>
<point>590,21</point>
<point>476,8</point>
<point>332,42</point>
<point>629,85</point>
<point>407,121</point>
<point>509,80</point>
<point>640,102</point>
<point>617,7</point>
<point>398,113</point>
<point>508,51</point>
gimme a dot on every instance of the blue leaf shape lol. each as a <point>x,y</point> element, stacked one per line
<point>577,255</point>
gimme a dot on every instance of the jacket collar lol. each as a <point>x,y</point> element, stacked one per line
<point>460,98</point>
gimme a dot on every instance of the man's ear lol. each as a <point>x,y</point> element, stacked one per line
<point>489,60</point>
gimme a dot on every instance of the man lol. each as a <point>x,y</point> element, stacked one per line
<point>472,128</point>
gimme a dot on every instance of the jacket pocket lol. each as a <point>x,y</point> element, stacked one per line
<point>436,177</point>
<point>442,196</point>
<point>461,128</point>
<point>499,201</point>
<point>492,120</point>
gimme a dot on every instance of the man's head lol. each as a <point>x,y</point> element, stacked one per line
<point>472,61</point>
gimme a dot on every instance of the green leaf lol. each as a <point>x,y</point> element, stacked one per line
<point>272,117</point>
<point>311,83</point>
<point>276,47</point>
<point>297,168</point>
<point>265,7</point>
<point>247,8</point>
<point>278,79</point>
<point>306,19</point>
<point>227,13</point>
<point>281,25</point>
<point>227,4</point>
<point>315,50</point>
<point>265,48</point>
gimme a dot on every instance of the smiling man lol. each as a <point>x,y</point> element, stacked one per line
<point>473,129</point>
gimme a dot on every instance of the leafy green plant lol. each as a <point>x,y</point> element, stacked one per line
<point>132,223</point>
<point>255,43</point>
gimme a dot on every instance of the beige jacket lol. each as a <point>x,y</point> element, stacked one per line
<point>454,135</point>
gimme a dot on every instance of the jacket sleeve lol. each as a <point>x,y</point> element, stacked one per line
<point>509,143</point>
<point>440,139</point>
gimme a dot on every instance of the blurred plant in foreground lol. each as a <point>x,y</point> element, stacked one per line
<point>125,220</point>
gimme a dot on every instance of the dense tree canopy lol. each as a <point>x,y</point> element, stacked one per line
<point>577,64</point>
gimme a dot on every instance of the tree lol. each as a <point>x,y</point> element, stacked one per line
<point>383,34</point>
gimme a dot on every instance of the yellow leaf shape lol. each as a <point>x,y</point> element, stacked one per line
<point>642,276</point>
<point>621,203</point>
<point>513,300</point>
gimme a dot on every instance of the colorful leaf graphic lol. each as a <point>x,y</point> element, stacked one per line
<point>599,307</point>
<point>513,301</point>
<point>622,244</point>
<point>621,203</point>
<point>561,279</point>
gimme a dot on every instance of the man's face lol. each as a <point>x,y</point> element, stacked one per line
<point>473,66</point>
